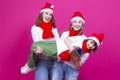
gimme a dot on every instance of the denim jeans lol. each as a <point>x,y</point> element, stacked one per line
<point>60,68</point>
<point>43,69</point>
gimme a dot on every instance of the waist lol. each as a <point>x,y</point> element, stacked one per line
<point>46,58</point>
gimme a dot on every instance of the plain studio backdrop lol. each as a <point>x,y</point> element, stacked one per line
<point>18,16</point>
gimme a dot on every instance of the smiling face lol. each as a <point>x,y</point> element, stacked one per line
<point>77,24</point>
<point>91,44</point>
<point>47,16</point>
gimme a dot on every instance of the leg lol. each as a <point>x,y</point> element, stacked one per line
<point>48,46</point>
<point>71,73</point>
<point>43,67</point>
<point>58,71</point>
<point>30,65</point>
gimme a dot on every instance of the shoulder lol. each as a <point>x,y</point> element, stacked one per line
<point>66,33</point>
<point>83,36</point>
<point>34,27</point>
<point>78,37</point>
<point>54,29</point>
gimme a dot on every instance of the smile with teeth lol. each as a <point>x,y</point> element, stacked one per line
<point>47,19</point>
<point>77,26</point>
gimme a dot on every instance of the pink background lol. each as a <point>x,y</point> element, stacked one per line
<point>17,17</point>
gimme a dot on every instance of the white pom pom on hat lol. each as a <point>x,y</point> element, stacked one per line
<point>98,38</point>
<point>52,6</point>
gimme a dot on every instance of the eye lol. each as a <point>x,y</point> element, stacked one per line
<point>92,47</point>
<point>91,42</point>
<point>79,21</point>
<point>50,14</point>
<point>74,21</point>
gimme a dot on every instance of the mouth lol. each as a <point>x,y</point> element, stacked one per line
<point>47,19</point>
<point>77,26</point>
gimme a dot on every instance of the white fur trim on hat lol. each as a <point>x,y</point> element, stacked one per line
<point>52,6</point>
<point>74,18</point>
<point>95,39</point>
<point>46,9</point>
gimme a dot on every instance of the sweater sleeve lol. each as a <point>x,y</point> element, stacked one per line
<point>84,57</point>
<point>36,33</point>
<point>55,32</point>
<point>64,35</point>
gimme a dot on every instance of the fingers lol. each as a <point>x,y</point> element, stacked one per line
<point>76,60</point>
<point>38,50</point>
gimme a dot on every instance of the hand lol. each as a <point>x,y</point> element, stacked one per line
<point>76,59</point>
<point>71,49</point>
<point>38,51</point>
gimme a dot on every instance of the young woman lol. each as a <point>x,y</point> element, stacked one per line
<point>45,29</point>
<point>71,68</point>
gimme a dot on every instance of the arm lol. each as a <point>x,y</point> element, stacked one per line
<point>36,33</point>
<point>78,64</point>
<point>72,42</point>
<point>68,44</point>
<point>81,61</point>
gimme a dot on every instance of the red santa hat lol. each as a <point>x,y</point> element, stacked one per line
<point>97,38</point>
<point>47,7</point>
<point>78,15</point>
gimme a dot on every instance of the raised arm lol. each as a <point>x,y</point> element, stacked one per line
<point>68,44</point>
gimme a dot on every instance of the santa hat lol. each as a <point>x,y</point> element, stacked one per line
<point>47,7</point>
<point>78,15</point>
<point>97,38</point>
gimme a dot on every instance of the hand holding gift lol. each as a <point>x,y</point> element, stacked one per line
<point>76,54</point>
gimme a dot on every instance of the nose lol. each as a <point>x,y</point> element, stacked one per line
<point>77,24</point>
<point>90,46</point>
<point>48,16</point>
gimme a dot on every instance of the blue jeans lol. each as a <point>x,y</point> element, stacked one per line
<point>60,68</point>
<point>43,69</point>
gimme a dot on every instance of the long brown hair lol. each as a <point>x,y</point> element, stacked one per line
<point>40,17</point>
<point>95,49</point>
<point>67,29</point>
